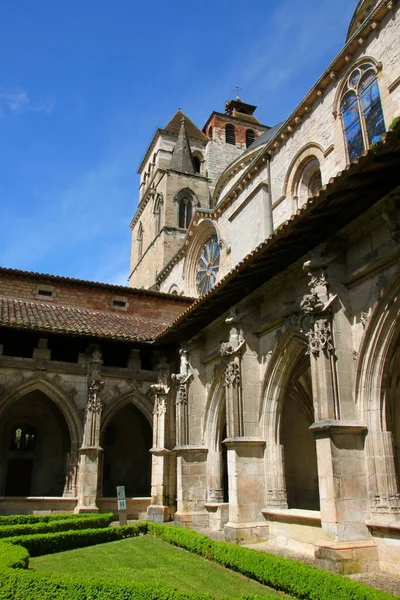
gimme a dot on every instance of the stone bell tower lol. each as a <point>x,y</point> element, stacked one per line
<point>173,184</point>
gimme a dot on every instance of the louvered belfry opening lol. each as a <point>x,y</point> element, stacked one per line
<point>250,137</point>
<point>230,135</point>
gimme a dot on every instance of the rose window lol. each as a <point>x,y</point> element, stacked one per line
<point>208,266</point>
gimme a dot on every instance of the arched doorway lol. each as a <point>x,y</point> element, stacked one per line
<point>286,414</point>
<point>127,461</point>
<point>301,473</point>
<point>35,447</point>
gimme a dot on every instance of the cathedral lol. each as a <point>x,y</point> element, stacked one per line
<point>247,381</point>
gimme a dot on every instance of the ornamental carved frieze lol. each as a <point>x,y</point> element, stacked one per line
<point>320,338</point>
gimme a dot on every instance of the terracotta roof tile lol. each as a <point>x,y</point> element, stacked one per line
<point>23,314</point>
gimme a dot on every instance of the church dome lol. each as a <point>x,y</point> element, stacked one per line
<point>363,10</point>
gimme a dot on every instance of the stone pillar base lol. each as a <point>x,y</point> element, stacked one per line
<point>158,513</point>
<point>192,520</point>
<point>218,515</point>
<point>246,533</point>
<point>347,557</point>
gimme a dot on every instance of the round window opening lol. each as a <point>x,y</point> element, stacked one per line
<point>208,265</point>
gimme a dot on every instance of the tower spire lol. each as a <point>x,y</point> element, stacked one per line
<point>182,160</point>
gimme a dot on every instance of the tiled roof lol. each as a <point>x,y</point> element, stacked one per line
<point>23,314</point>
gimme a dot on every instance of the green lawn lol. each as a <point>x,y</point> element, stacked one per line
<point>149,560</point>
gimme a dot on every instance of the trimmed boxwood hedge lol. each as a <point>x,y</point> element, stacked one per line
<point>298,579</point>
<point>287,575</point>
<point>82,522</point>
<point>7,520</point>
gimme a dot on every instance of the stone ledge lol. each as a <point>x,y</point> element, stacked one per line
<point>393,527</point>
<point>180,449</point>
<point>160,451</point>
<point>244,441</point>
<point>334,426</point>
<point>215,505</point>
<point>293,515</point>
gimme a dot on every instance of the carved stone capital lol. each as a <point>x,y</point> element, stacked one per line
<point>232,374</point>
<point>160,406</point>
<point>320,338</point>
<point>94,403</point>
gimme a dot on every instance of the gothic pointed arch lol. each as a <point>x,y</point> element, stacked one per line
<point>54,393</point>
<point>186,200</point>
<point>286,413</point>
<point>378,400</point>
<point>126,439</point>
<point>41,432</point>
<point>214,432</point>
<point>133,396</point>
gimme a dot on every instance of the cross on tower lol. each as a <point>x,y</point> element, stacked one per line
<point>238,89</point>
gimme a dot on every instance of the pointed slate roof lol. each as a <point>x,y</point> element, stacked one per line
<point>182,159</point>
<point>192,130</point>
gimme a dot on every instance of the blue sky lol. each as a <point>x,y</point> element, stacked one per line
<point>83,86</point>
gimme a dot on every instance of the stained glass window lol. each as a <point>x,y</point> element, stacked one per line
<point>361,110</point>
<point>208,265</point>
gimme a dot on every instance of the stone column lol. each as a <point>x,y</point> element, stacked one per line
<point>339,444</point>
<point>275,478</point>
<point>245,454</point>
<point>191,459</point>
<point>161,506</point>
<point>90,451</point>
<point>384,487</point>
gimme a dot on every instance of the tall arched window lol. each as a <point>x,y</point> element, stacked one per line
<point>196,164</point>
<point>158,214</point>
<point>185,212</point>
<point>361,110</point>
<point>230,135</point>
<point>140,241</point>
<point>250,137</point>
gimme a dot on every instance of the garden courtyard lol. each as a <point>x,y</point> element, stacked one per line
<point>61,557</point>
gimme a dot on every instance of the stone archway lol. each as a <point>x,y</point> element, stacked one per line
<point>214,434</point>
<point>377,399</point>
<point>286,415</point>
<point>126,441</point>
<point>35,449</point>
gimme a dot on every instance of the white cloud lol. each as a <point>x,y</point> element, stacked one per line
<point>13,101</point>
<point>18,101</point>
